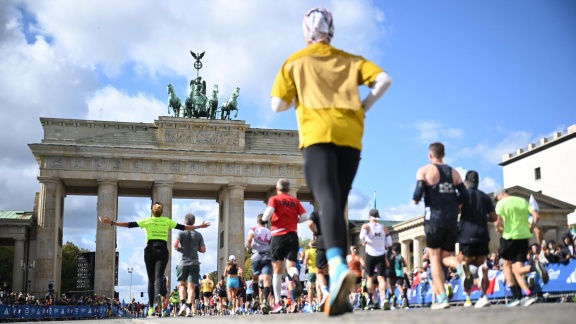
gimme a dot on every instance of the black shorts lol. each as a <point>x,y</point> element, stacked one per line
<point>375,265</point>
<point>284,247</point>
<point>321,261</point>
<point>514,250</point>
<point>222,293</point>
<point>249,297</point>
<point>444,238</point>
<point>400,282</point>
<point>241,293</point>
<point>474,249</point>
<point>358,280</point>
<point>207,294</point>
<point>390,273</point>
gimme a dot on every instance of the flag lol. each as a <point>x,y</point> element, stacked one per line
<point>375,200</point>
<point>533,203</point>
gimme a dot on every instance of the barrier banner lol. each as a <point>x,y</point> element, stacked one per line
<point>103,311</point>
<point>562,279</point>
<point>6,312</point>
<point>84,311</point>
<point>58,311</point>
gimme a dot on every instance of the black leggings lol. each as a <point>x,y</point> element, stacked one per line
<point>156,259</point>
<point>330,170</point>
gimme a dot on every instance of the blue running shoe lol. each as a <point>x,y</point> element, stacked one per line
<point>340,285</point>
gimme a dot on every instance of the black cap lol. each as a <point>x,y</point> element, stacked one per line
<point>472,177</point>
<point>374,213</point>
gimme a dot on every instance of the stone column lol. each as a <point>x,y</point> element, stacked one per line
<point>49,239</point>
<point>17,271</point>
<point>163,194</point>
<point>405,251</point>
<point>417,250</point>
<point>105,267</point>
<point>231,230</point>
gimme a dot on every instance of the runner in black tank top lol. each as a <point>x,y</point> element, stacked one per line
<point>443,191</point>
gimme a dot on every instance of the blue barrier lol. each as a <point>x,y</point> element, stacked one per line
<point>55,312</point>
<point>562,280</point>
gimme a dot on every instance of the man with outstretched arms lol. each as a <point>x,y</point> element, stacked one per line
<point>189,243</point>
<point>284,213</point>
<point>473,238</point>
<point>443,192</point>
<point>259,242</point>
<point>377,239</point>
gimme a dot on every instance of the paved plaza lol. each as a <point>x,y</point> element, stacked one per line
<point>539,313</point>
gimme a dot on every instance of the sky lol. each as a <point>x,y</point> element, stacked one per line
<point>483,77</point>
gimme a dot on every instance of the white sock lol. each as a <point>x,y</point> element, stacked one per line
<point>277,285</point>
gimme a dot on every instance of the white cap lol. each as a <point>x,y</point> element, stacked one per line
<point>232,258</point>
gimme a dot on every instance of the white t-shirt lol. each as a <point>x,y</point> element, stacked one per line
<point>376,240</point>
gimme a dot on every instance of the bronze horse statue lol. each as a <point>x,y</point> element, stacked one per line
<point>212,103</point>
<point>173,101</point>
<point>229,105</point>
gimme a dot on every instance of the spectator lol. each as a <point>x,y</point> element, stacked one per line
<point>493,262</point>
<point>544,251</point>
<point>567,250</point>
<point>534,252</point>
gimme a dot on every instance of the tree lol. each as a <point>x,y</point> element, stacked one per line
<point>70,266</point>
<point>7,264</point>
<point>303,242</point>
<point>248,264</point>
<point>214,276</point>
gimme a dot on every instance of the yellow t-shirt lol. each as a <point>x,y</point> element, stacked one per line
<point>311,254</point>
<point>324,80</point>
<point>157,228</point>
<point>207,285</point>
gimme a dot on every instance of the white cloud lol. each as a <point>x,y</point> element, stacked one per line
<point>434,131</point>
<point>491,153</point>
<point>402,212</point>
<point>111,104</point>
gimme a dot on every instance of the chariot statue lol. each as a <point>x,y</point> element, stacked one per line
<point>197,104</point>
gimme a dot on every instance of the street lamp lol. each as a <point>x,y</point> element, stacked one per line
<point>27,267</point>
<point>130,270</point>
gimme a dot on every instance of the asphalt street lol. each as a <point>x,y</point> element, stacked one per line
<point>546,313</point>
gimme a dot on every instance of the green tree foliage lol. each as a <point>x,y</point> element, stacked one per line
<point>214,276</point>
<point>248,264</point>
<point>70,266</point>
<point>303,242</point>
<point>6,264</point>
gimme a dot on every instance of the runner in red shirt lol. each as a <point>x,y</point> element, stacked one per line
<point>284,213</point>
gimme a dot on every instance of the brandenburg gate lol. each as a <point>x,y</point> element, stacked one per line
<point>172,157</point>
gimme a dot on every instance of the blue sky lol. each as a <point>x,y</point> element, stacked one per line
<point>483,77</point>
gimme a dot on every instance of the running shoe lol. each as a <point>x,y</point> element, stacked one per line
<point>189,312</point>
<point>467,303</point>
<point>151,311</point>
<point>338,302</point>
<point>182,311</point>
<point>386,305</point>
<point>513,303</point>
<point>405,303</point>
<point>529,300</point>
<point>256,305</point>
<point>265,308</point>
<point>465,276</point>
<point>482,302</point>
<point>443,304</point>
<point>277,309</point>
<point>448,288</point>
<point>541,270</point>
<point>370,306</point>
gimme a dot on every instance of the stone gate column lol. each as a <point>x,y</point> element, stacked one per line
<point>49,235</point>
<point>417,252</point>
<point>17,271</point>
<point>163,194</point>
<point>405,252</point>
<point>105,267</point>
<point>231,228</point>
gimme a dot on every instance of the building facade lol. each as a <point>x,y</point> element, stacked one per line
<point>547,166</point>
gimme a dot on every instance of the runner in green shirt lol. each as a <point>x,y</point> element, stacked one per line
<point>516,232</point>
<point>156,252</point>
